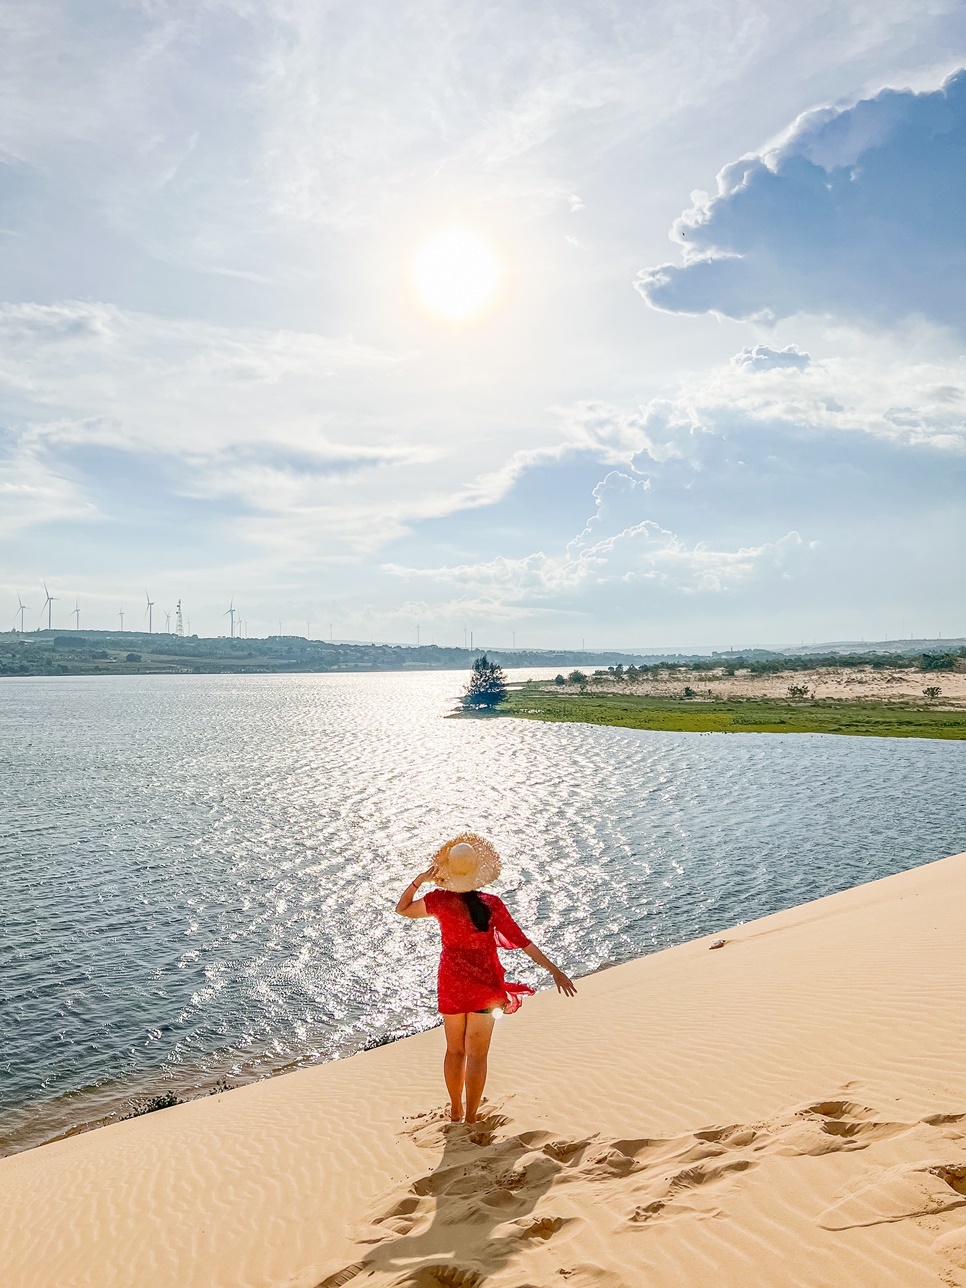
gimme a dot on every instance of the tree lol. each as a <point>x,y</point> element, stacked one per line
<point>577,677</point>
<point>487,686</point>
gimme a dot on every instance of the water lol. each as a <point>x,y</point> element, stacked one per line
<point>197,873</point>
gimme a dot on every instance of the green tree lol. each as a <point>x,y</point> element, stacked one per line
<point>487,686</point>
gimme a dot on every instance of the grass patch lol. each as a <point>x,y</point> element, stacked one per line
<point>747,715</point>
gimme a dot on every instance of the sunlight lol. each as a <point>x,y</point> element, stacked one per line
<point>457,274</point>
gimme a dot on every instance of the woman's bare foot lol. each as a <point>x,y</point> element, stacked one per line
<point>456,1113</point>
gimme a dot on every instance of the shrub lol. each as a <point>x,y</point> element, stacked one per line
<point>577,677</point>
<point>558,679</point>
<point>798,690</point>
<point>932,691</point>
<point>167,1101</point>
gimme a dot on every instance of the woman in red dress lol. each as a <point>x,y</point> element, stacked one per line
<point>471,982</point>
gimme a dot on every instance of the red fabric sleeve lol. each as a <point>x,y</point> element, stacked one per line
<point>431,900</point>
<point>506,932</point>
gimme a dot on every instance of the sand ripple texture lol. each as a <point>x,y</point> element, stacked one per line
<point>198,873</point>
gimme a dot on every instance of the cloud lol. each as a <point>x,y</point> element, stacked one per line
<point>854,214</point>
<point>32,493</point>
<point>764,358</point>
<point>897,387</point>
<point>617,553</point>
<point>253,414</point>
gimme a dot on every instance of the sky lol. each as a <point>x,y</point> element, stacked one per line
<point>590,324</point>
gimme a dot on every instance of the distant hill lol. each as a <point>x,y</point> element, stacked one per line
<point>879,646</point>
<point>138,653</point>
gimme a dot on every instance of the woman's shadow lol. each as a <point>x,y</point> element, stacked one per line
<point>439,1231</point>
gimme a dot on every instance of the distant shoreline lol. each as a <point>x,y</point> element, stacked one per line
<point>757,711</point>
<point>52,652</point>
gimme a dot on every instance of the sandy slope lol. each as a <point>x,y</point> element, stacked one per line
<point>787,1110</point>
<point>860,685</point>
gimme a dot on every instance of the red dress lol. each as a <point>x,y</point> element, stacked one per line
<point>470,973</point>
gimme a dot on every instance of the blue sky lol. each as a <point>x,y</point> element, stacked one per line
<point>719,398</point>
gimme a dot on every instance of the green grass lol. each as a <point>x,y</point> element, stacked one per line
<point>748,715</point>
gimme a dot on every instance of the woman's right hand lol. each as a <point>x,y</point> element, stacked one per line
<point>424,877</point>
<point>564,983</point>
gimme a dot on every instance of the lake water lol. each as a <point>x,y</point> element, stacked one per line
<point>198,873</point>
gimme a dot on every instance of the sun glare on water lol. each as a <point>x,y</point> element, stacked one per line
<point>456,274</point>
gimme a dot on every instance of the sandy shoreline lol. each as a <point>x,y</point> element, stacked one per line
<point>788,1110</point>
<point>863,684</point>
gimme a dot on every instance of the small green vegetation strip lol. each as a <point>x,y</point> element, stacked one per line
<point>870,719</point>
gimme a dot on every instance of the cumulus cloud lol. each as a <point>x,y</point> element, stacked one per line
<point>762,357</point>
<point>619,552</point>
<point>896,388</point>
<point>855,213</point>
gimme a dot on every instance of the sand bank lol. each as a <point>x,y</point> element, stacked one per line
<point>787,1110</point>
<point>863,684</point>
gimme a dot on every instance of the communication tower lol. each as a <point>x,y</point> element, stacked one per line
<point>178,620</point>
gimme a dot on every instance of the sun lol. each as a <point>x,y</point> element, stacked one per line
<point>456,274</point>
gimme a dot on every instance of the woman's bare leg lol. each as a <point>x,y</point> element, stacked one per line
<point>454,1063</point>
<point>478,1031</point>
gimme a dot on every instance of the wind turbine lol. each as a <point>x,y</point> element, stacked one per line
<point>231,613</point>
<point>21,610</point>
<point>120,614</point>
<point>76,614</point>
<point>149,611</point>
<point>48,604</point>
<point>167,621</point>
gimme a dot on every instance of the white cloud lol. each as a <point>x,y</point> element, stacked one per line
<point>762,357</point>
<point>896,388</point>
<point>621,560</point>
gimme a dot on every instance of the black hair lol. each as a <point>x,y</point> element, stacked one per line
<point>479,910</point>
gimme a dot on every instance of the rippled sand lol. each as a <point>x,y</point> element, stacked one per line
<point>787,1111</point>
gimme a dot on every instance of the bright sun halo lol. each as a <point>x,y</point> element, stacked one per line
<point>456,274</point>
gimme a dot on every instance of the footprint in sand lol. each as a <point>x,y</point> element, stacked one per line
<point>443,1277</point>
<point>829,1126</point>
<point>342,1276</point>
<point>543,1228</point>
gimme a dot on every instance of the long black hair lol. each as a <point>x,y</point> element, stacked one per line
<point>479,910</point>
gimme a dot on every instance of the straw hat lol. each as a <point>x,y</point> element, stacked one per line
<point>468,862</point>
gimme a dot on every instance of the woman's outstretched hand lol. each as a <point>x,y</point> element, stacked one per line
<point>564,983</point>
<point>424,877</point>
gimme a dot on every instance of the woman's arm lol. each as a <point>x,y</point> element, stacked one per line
<point>406,907</point>
<point>564,985</point>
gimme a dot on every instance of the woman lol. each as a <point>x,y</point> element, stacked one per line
<point>471,982</point>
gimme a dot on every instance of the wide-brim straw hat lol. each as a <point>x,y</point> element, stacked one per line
<point>467,862</point>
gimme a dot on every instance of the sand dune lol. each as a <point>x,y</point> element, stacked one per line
<point>787,1110</point>
<point>863,684</point>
